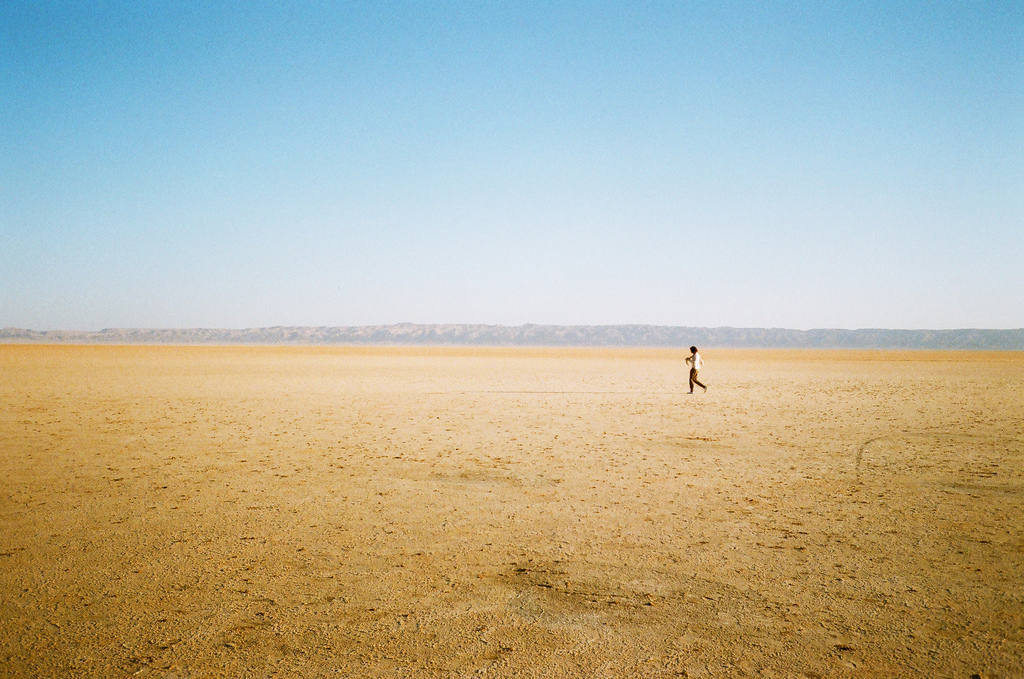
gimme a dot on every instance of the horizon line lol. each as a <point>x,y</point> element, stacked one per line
<point>9,328</point>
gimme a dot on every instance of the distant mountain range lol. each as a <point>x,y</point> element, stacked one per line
<point>542,335</point>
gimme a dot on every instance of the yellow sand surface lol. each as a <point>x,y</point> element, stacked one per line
<point>351,512</point>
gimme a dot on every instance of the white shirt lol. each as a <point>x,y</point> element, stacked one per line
<point>695,361</point>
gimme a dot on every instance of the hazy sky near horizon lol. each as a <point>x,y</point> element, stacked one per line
<point>779,164</point>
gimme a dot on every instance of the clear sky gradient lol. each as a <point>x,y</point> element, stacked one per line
<point>681,163</point>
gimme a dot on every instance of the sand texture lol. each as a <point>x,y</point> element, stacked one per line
<point>319,512</point>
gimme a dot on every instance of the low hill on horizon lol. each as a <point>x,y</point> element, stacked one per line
<point>541,335</point>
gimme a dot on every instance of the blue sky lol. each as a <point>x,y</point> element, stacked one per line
<point>748,164</point>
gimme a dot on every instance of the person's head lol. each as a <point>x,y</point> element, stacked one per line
<point>693,350</point>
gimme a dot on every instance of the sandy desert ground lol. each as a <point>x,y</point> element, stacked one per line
<point>316,512</point>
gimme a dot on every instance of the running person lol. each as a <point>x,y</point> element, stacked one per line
<point>696,363</point>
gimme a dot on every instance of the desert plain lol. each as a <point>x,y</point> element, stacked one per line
<point>189,511</point>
